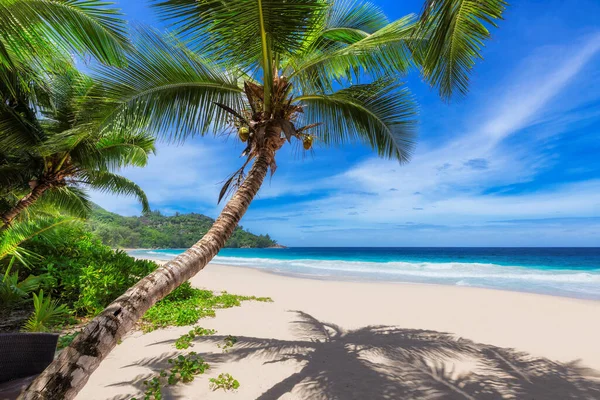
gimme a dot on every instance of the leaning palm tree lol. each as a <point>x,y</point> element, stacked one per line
<point>274,72</point>
<point>54,152</point>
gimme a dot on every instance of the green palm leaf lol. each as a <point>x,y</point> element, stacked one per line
<point>128,149</point>
<point>17,173</point>
<point>356,14</point>
<point>245,33</point>
<point>166,90</point>
<point>382,53</point>
<point>348,21</point>
<point>71,200</point>
<point>84,26</point>
<point>381,114</point>
<point>21,231</point>
<point>234,31</point>
<point>456,31</point>
<point>17,130</point>
<point>113,183</point>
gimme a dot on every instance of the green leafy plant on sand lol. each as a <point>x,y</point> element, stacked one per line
<point>228,343</point>
<point>225,382</point>
<point>152,391</point>
<point>47,313</point>
<point>185,341</point>
<point>185,368</point>
<point>186,305</point>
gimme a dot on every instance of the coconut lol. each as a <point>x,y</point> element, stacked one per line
<point>307,142</point>
<point>243,132</point>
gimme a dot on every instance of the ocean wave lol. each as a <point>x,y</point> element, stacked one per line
<point>453,270</point>
<point>565,282</point>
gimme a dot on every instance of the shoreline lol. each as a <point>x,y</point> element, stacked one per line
<point>338,278</point>
<point>351,340</point>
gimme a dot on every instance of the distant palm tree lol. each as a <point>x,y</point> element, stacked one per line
<point>297,70</point>
<point>53,152</point>
<point>37,38</point>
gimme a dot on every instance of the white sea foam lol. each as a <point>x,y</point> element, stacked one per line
<point>419,269</point>
<point>559,282</point>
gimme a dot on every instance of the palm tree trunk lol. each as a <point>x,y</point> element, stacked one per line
<point>70,371</point>
<point>22,204</point>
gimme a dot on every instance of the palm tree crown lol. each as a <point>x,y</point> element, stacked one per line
<point>305,69</point>
<point>51,151</point>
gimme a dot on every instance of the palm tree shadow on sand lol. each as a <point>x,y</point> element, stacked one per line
<point>382,362</point>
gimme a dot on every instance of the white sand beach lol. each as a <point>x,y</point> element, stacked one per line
<point>346,340</point>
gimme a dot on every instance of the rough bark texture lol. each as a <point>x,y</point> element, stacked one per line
<point>70,371</point>
<point>25,202</point>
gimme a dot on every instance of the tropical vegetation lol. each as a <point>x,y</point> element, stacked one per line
<point>154,230</point>
<point>271,73</point>
<point>53,151</point>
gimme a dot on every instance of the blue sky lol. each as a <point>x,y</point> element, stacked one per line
<point>516,163</point>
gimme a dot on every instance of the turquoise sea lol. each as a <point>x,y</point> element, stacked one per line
<point>570,272</point>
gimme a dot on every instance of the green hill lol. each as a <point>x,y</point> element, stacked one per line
<point>159,231</point>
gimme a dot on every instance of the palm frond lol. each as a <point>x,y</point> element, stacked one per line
<point>381,114</point>
<point>233,31</point>
<point>125,149</point>
<point>356,14</point>
<point>166,90</point>
<point>83,26</point>
<point>382,53</point>
<point>20,95</point>
<point>112,183</point>
<point>348,21</point>
<point>89,149</point>
<point>21,231</point>
<point>16,130</point>
<point>71,200</point>
<point>17,173</point>
<point>69,103</point>
<point>456,31</point>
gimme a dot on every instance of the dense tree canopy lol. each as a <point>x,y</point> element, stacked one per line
<point>158,231</point>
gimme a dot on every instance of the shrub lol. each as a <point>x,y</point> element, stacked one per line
<point>84,273</point>
<point>13,291</point>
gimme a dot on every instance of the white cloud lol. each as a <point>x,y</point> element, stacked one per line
<point>190,174</point>
<point>541,78</point>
